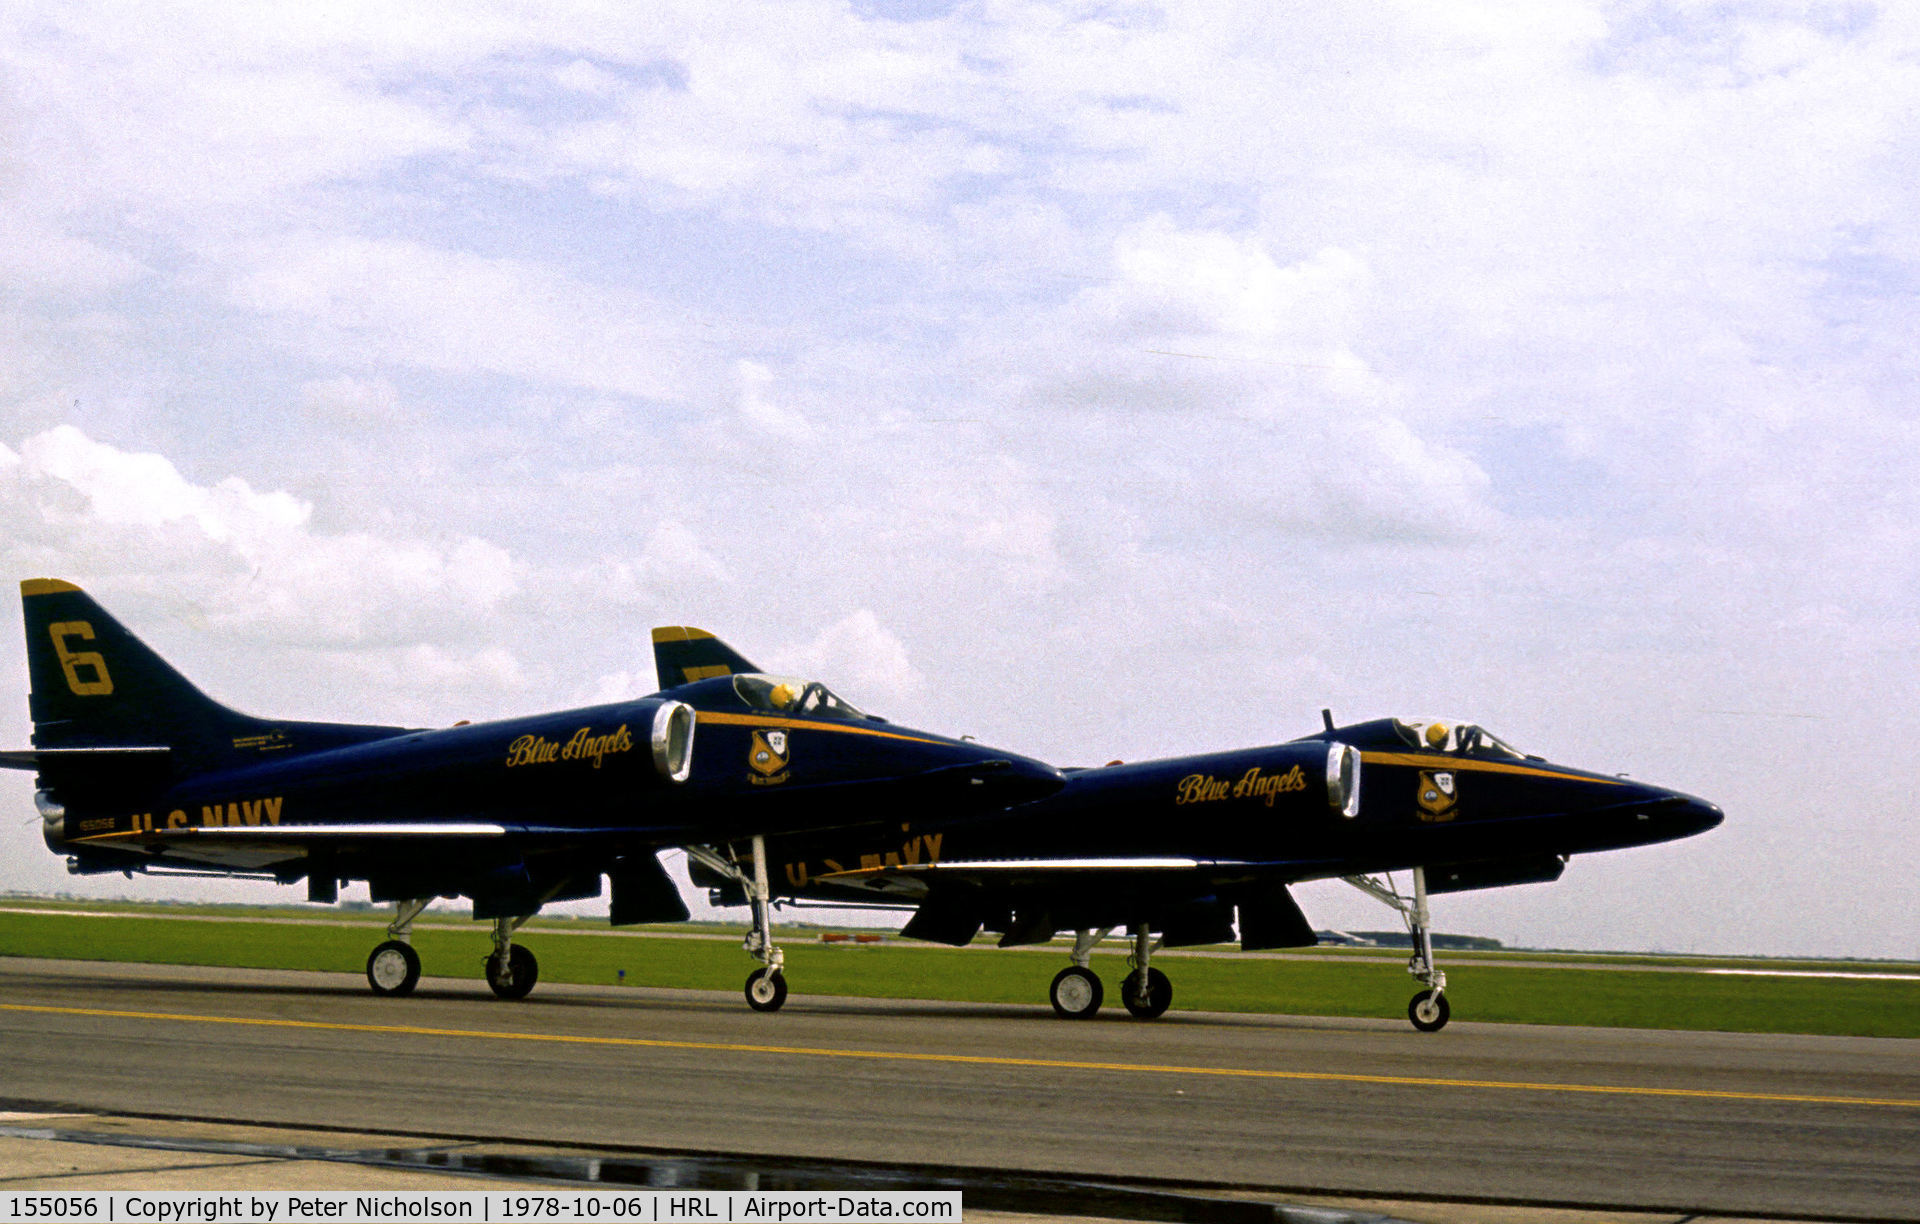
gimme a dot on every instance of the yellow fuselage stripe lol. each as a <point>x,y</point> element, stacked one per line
<point>977,1060</point>
<point>802,724</point>
<point>1423,760</point>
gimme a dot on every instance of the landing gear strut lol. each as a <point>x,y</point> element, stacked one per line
<point>1146,991</point>
<point>766,986</point>
<point>1428,1009</point>
<point>393,968</point>
<point>511,969</point>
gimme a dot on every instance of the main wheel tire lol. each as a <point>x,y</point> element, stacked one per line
<point>524,971</point>
<point>1158,998</point>
<point>766,990</point>
<point>1076,993</point>
<point>1429,1011</point>
<point>393,968</point>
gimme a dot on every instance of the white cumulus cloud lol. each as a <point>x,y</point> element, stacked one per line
<point>859,658</point>
<point>86,508</point>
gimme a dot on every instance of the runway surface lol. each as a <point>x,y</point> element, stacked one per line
<point>1730,1124</point>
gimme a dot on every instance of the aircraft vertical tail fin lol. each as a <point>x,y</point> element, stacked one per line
<point>95,685</point>
<point>683,654</point>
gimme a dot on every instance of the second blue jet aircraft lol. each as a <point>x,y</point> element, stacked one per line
<point>1201,849</point>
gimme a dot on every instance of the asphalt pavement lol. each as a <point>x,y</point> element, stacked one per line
<point>1487,1118</point>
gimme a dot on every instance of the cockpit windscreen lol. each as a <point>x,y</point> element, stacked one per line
<point>786,695</point>
<point>1464,739</point>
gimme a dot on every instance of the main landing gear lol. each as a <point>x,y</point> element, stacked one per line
<point>1076,992</point>
<point>1428,1010</point>
<point>766,987</point>
<point>511,969</point>
<point>393,968</point>
<point>1146,993</point>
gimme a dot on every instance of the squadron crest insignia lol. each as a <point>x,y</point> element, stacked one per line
<point>1438,795</point>
<point>768,758</point>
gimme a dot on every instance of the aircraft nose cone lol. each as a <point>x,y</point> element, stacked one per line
<point>1037,778</point>
<point>1675,814</point>
<point>1699,815</point>
<point>1014,779</point>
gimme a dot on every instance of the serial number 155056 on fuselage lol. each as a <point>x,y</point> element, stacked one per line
<point>777,788</point>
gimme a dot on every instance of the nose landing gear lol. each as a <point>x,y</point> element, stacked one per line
<point>1428,1010</point>
<point>766,988</point>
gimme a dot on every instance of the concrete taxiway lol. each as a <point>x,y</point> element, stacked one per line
<point>1485,1118</point>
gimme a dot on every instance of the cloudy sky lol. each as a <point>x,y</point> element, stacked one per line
<point>1100,379</point>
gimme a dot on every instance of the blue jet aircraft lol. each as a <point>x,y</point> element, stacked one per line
<point>1201,849</point>
<point>140,772</point>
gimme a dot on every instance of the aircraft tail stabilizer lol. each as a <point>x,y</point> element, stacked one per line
<point>104,704</point>
<point>683,654</point>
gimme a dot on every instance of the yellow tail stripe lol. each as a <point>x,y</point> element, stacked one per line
<point>46,586</point>
<point>977,1060</point>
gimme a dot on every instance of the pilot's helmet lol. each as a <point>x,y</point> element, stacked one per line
<point>1436,735</point>
<point>782,695</point>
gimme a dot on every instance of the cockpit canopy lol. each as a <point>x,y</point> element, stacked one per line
<point>1447,735</point>
<point>787,695</point>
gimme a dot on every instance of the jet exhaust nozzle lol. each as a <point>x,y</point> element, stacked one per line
<point>53,818</point>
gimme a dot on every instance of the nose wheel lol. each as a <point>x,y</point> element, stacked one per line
<point>1429,1011</point>
<point>766,990</point>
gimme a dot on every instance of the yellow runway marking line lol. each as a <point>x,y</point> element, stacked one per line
<point>987,1060</point>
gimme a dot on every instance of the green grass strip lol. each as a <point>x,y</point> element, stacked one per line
<point>1625,998</point>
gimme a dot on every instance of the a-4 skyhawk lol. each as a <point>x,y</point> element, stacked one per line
<point>139,771</point>
<point>1201,849</point>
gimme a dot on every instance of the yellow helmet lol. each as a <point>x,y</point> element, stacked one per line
<point>782,695</point>
<point>1436,734</point>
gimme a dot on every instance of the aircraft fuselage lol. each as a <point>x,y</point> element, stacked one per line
<point>1274,805</point>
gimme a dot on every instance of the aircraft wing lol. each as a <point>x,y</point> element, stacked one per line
<point>387,834</point>
<point>1190,900</point>
<point>914,881</point>
<point>300,834</point>
<point>262,847</point>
